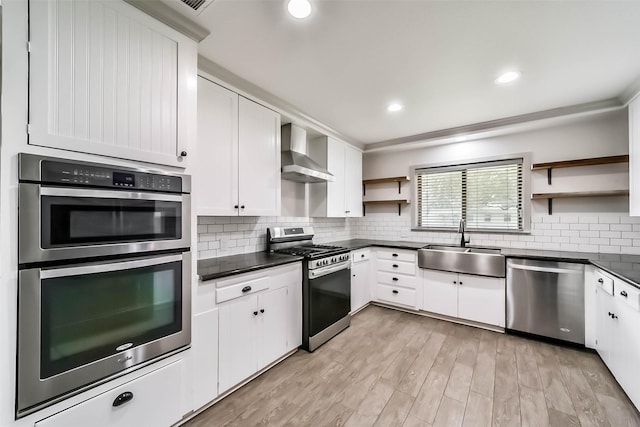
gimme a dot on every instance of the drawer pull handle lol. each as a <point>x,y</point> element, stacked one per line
<point>246,289</point>
<point>623,293</point>
<point>123,398</point>
<point>394,254</point>
<point>395,279</point>
<point>395,265</point>
<point>600,280</point>
<point>394,291</point>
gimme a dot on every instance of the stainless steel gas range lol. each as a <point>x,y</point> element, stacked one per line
<point>326,283</point>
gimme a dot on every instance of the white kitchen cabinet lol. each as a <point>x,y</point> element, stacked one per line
<point>204,351</point>
<point>360,276</point>
<point>106,78</point>
<point>343,196</point>
<point>397,280</point>
<point>617,340</point>
<point>238,156</point>
<point>634,157</point>
<point>156,401</point>
<point>260,320</point>
<point>476,298</point>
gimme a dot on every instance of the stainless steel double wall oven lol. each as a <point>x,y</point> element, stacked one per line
<point>104,281</point>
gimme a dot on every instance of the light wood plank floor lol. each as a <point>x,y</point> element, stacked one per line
<point>398,369</point>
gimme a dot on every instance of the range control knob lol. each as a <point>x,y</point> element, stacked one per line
<point>318,263</point>
<point>333,259</point>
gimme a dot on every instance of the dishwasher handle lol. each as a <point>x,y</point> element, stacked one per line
<point>544,269</point>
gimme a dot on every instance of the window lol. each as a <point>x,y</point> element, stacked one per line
<point>487,195</point>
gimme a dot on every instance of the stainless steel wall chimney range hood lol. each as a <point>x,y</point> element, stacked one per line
<point>296,165</point>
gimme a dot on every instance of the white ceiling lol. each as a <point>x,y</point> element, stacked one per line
<point>349,59</point>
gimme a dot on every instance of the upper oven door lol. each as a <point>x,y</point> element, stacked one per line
<point>58,223</point>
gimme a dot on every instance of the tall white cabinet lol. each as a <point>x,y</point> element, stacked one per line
<point>105,78</point>
<point>343,196</point>
<point>238,155</point>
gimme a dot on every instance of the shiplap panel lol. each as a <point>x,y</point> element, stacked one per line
<point>110,76</point>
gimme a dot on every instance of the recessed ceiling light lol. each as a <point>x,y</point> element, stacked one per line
<point>299,8</point>
<point>394,107</point>
<point>461,138</point>
<point>507,77</point>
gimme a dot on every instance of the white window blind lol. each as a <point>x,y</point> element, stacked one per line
<point>488,196</point>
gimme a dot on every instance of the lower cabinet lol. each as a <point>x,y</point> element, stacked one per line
<point>476,298</point>
<point>204,351</point>
<point>617,339</point>
<point>260,320</point>
<point>155,399</point>
<point>397,278</point>
<point>360,276</point>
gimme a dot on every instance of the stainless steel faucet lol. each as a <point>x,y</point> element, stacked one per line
<point>463,240</point>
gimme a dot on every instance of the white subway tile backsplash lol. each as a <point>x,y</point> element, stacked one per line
<point>607,233</point>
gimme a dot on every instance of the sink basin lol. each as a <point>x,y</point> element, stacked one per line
<point>470,260</point>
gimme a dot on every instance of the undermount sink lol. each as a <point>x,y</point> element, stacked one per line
<point>457,259</point>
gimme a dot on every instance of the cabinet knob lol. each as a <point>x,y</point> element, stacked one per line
<point>455,282</point>
<point>242,207</point>
<point>394,291</point>
<point>262,310</point>
<point>395,279</point>
<point>183,154</point>
<point>361,255</point>
<point>623,293</point>
<point>246,289</point>
<point>235,206</point>
<point>255,313</point>
<point>460,283</point>
<point>123,398</point>
<point>613,316</point>
<point>600,280</point>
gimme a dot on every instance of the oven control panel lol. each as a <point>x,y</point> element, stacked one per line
<point>330,260</point>
<point>82,174</point>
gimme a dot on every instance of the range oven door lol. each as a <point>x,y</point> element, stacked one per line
<point>86,323</point>
<point>59,223</point>
<point>329,297</point>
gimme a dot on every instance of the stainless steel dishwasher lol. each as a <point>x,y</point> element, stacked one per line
<point>546,298</point>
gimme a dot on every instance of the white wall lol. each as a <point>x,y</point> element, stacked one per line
<point>599,224</point>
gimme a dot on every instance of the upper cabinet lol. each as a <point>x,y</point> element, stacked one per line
<point>238,156</point>
<point>105,78</point>
<point>343,196</point>
<point>634,157</point>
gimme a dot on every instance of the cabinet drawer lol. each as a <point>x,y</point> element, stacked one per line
<point>604,282</point>
<point>243,288</point>
<point>397,255</point>
<point>157,401</point>
<point>398,280</point>
<point>408,268</point>
<point>627,293</point>
<point>360,255</point>
<point>396,295</point>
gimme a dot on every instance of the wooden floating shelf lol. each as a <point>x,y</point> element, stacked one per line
<point>581,162</point>
<point>538,196</point>
<point>384,180</point>
<point>550,196</point>
<point>384,202</point>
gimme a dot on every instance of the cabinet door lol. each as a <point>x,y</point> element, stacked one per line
<point>106,78</point>
<point>156,402</point>
<point>273,319</point>
<point>259,160</point>
<point>215,189</point>
<point>441,292</point>
<point>604,325</point>
<point>353,182</point>
<point>336,189</point>
<point>481,299</point>
<point>237,341</point>
<point>359,284</point>
<point>626,347</point>
<point>634,157</point>
<point>204,352</point>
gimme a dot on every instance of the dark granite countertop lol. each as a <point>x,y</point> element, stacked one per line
<point>626,267</point>
<point>214,268</point>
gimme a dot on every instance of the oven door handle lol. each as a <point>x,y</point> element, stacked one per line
<point>319,272</point>
<point>107,194</point>
<point>107,267</point>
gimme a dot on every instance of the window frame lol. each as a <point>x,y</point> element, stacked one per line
<point>526,191</point>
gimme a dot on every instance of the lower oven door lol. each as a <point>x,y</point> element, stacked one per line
<point>329,298</point>
<point>79,325</point>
